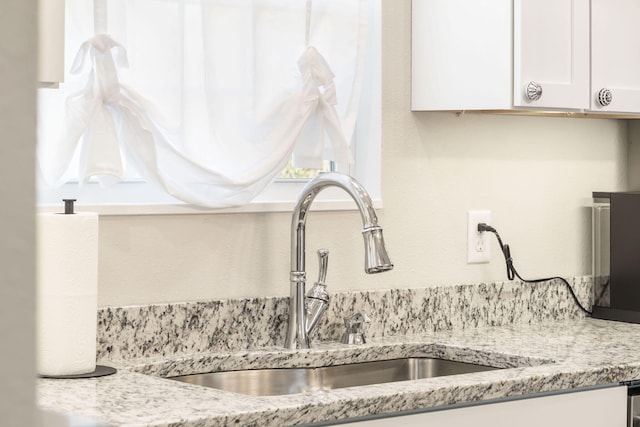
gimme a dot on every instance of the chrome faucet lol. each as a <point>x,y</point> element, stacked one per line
<point>302,316</point>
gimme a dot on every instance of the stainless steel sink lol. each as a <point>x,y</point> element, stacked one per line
<point>271,382</point>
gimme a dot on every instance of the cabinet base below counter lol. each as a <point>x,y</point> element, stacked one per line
<point>598,407</point>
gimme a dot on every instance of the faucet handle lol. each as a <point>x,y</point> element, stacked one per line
<point>323,263</point>
<point>354,333</point>
<point>317,298</point>
<point>319,290</point>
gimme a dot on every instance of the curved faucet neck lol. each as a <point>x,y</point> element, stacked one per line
<point>306,198</point>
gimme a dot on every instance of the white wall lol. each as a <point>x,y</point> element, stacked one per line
<point>17,278</point>
<point>633,163</point>
<point>535,174</point>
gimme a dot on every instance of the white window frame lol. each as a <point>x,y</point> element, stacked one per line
<point>141,198</point>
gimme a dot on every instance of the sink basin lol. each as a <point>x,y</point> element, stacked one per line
<point>272,382</point>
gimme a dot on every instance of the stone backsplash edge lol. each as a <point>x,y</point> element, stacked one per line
<point>238,324</point>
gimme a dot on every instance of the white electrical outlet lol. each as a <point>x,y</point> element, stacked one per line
<point>478,244</point>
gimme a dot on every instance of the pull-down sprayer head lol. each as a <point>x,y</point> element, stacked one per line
<point>376,259</point>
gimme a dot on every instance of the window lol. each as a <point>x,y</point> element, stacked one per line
<point>135,195</point>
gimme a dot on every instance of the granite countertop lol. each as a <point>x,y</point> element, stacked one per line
<point>539,357</point>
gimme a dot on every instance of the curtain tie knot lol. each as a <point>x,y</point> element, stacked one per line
<point>99,48</point>
<point>317,75</point>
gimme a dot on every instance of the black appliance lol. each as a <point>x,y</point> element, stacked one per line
<point>616,256</point>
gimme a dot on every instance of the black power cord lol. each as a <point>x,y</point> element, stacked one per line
<point>512,272</point>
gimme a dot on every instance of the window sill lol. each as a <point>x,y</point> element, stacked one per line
<point>184,209</point>
<point>138,198</point>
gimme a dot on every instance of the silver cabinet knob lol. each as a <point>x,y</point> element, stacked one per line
<point>604,97</point>
<point>533,91</point>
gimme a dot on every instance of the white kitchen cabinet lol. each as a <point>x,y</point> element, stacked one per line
<point>461,54</point>
<point>615,54</point>
<point>533,55</point>
<point>551,50</point>
<point>592,408</point>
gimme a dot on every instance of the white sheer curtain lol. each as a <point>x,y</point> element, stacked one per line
<point>207,98</point>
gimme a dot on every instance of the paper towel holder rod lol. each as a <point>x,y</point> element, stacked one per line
<point>68,206</point>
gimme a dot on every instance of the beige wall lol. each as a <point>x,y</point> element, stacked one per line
<point>17,122</point>
<point>535,174</point>
<point>633,163</point>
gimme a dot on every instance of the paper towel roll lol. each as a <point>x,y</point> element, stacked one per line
<point>67,288</point>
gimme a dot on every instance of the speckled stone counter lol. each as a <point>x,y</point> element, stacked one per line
<point>540,353</point>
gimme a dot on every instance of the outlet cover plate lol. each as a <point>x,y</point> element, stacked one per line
<point>478,244</point>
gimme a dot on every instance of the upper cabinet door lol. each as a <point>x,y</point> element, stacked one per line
<point>551,53</point>
<point>615,55</point>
